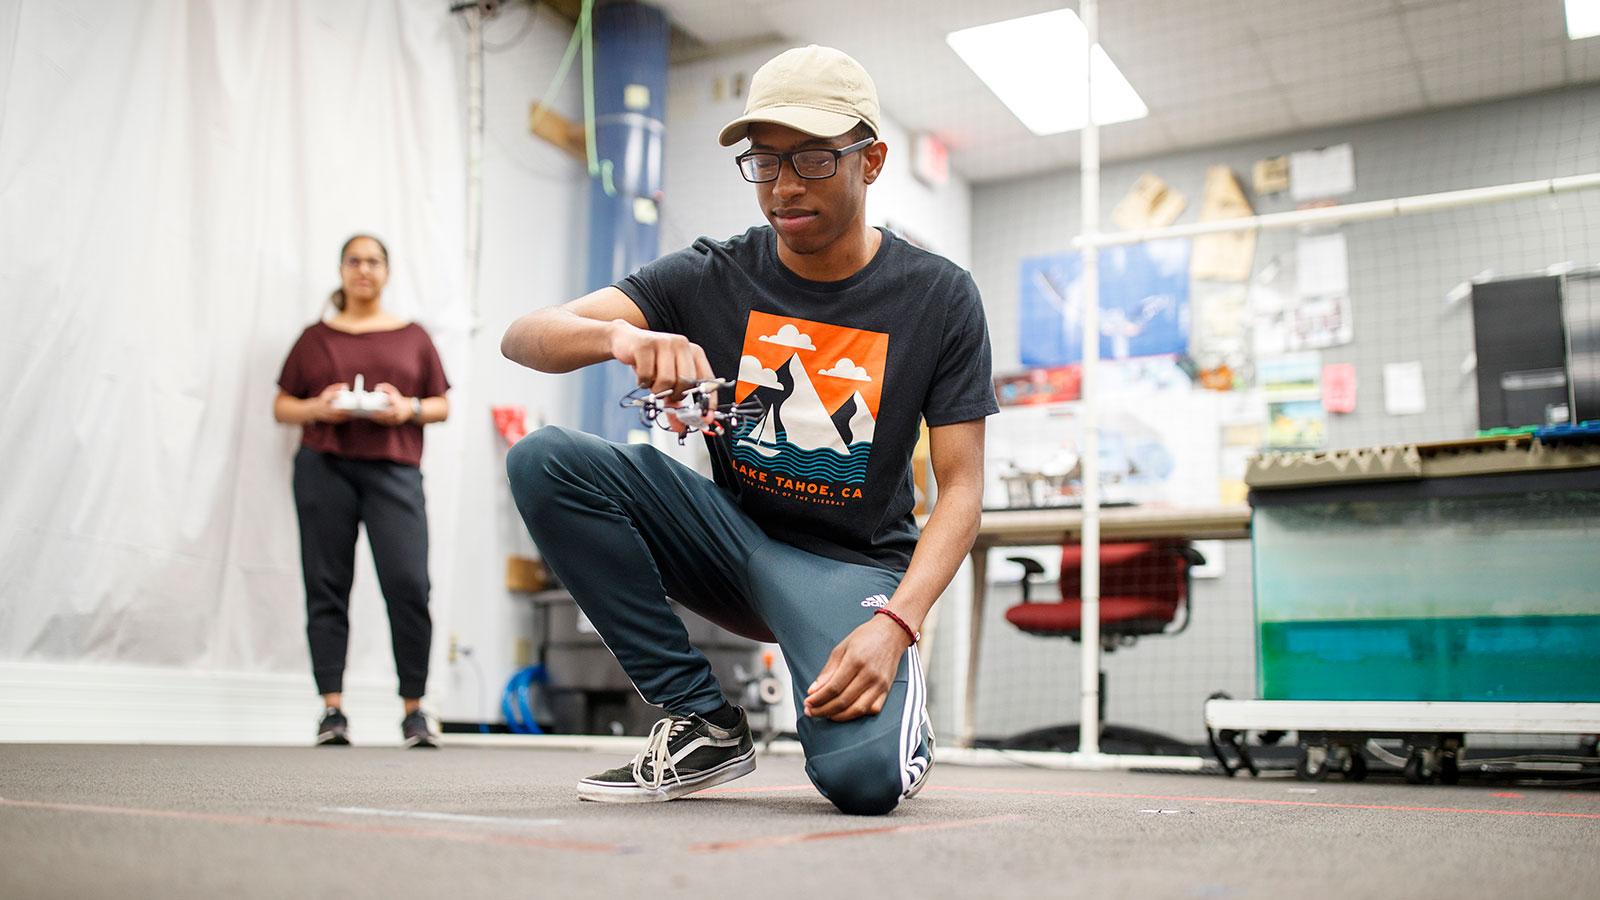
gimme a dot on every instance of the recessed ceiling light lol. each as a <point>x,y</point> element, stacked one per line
<point>1035,66</point>
<point>1583,18</point>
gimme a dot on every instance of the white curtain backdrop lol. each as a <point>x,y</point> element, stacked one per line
<point>176,179</point>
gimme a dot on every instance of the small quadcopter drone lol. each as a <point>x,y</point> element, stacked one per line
<point>696,411</point>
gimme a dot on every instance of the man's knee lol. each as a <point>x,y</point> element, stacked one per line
<point>532,460</point>
<point>861,780</point>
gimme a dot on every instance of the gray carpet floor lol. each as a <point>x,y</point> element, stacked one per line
<point>90,821</point>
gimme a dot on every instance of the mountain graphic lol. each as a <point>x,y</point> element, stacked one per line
<point>802,417</point>
<point>854,420</point>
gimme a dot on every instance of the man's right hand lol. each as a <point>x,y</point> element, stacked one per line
<point>660,361</point>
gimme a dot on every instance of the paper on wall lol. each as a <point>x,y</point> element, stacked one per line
<point>1323,265</point>
<point>1315,174</point>
<point>1214,565</point>
<point>1319,322</point>
<point>1402,389</point>
<point>1339,387</point>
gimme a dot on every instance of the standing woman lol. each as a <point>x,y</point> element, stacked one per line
<point>362,467</point>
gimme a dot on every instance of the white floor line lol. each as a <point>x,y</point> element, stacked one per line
<point>437,816</point>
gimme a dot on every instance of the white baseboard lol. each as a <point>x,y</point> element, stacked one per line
<point>50,703</point>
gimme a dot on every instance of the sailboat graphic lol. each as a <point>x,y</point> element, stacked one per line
<point>762,437</point>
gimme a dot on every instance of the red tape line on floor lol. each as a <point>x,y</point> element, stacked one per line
<point>782,839</point>
<point>1429,809</point>
<point>469,837</point>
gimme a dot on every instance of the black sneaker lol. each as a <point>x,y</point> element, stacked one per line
<point>334,730</point>
<point>684,754</point>
<point>416,731</point>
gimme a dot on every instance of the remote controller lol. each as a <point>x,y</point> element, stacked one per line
<point>359,402</point>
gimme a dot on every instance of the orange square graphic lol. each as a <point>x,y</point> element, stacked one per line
<point>840,362</point>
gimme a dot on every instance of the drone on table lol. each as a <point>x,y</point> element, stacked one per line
<point>696,410</point>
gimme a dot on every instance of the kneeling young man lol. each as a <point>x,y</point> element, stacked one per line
<point>843,338</point>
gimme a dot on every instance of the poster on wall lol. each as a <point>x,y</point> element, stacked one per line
<point>1286,317</point>
<point>1221,325</point>
<point>1321,318</point>
<point>1292,386</point>
<point>1056,384</point>
<point>1144,303</point>
<point>1296,424</point>
<point>1156,447</point>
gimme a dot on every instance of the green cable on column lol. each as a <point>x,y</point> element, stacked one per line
<point>601,167</point>
<point>582,34</point>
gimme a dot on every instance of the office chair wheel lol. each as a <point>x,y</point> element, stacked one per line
<point>1417,770</point>
<point>1449,771</point>
<point>1356,768</point>
<point>1312,764</point>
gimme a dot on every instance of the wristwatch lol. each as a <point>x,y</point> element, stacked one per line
<point>416,407</point>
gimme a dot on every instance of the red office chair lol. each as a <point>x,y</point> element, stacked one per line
<point>1143,586</point>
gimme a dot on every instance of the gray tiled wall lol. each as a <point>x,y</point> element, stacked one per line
<point>1400,273</point>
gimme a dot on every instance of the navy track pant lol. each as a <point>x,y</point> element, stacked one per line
<point>625,527</point>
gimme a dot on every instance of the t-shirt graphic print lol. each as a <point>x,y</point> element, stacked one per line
<point>818,387</point>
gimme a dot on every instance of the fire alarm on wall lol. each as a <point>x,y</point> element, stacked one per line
<point>930,161</point>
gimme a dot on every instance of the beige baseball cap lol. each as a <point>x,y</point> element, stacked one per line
<point>818,90</point>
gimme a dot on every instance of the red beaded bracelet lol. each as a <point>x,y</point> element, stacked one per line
<point>910,632</point>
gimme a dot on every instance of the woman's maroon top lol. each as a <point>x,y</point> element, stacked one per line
<point>404,357</point>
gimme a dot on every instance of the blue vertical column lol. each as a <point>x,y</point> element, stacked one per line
<point>630,87</point>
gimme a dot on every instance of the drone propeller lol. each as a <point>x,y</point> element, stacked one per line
<point>694,412</point>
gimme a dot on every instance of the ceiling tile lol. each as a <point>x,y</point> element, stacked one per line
<point>1583,60</point>
<point>1210,70</point>
<point>1218,120</point>
<point>1174,30</point>
<point>1164,80</point>
<point>1337,51</point>
<point>1482,29</point>
<point>716,21</point>
<point>1463,79</point>
<point>1145,137</point>
<point>1372,94</point>
<point>1276,17</point>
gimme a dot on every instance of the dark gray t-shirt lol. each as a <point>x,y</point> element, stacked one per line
<point>844,370</point>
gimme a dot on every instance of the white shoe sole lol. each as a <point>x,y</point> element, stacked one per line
<point>600,792</point>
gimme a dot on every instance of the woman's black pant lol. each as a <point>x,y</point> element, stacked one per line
<point>335,496</point>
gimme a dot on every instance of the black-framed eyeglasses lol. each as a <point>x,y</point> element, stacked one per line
<point>762,166</point>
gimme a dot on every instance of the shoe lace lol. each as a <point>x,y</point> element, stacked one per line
<point>657,754</point>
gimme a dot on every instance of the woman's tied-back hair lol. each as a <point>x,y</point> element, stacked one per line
<point>337,297</point>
